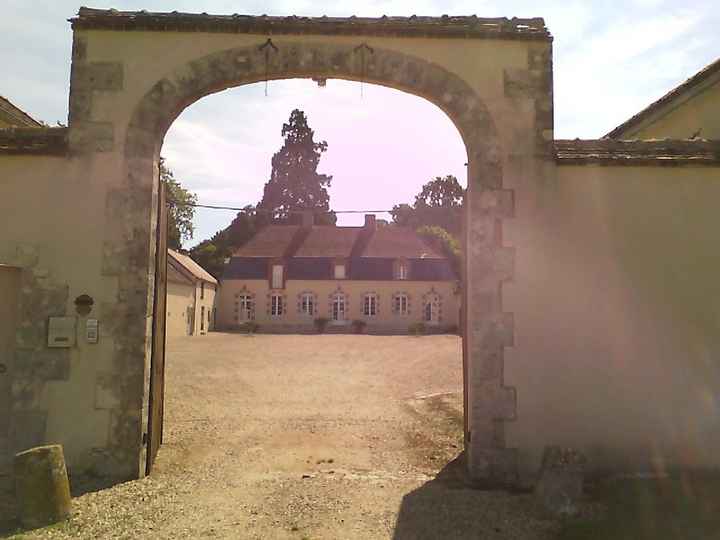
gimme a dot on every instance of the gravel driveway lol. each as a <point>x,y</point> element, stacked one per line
<point>307,437</point>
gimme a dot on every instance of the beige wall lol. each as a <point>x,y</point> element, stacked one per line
<point>685,116</point>
<point>384,321</point>
<point>616,300</point>
<point>204,304</point>
<point>180,297</point>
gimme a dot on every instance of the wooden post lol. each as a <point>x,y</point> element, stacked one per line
<point>42,487</point>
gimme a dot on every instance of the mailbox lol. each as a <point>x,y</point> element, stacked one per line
<point>61,332</point>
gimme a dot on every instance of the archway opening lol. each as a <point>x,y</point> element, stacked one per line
<point>378,390</point>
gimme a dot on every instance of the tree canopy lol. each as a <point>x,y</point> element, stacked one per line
<point>180,209</point>
<point>295,184</point>
<point>439,203</point>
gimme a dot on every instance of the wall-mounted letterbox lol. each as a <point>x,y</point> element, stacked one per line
<point>61,332</point>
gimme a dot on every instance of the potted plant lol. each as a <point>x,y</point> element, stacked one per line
<point>417,329</point>
<point>359,326</point>
<point>320,324</point>
<point>249,327</point>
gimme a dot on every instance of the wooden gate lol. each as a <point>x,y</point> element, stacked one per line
<point>157,363</point>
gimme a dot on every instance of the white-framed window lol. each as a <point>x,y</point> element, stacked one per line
<point>307,304</point>
<point>244,309</point>
<point>276,305</point>
<point>402,271</point>
<point>277,276</point>
<point>339,271</point>
<point>370,305</point>
<point>338,307</point>
<point>431,309</point>
<point>429,314</point>
<point>402,304</point>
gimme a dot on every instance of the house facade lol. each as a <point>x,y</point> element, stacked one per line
<point>191,292</point>
<point>289,276</point>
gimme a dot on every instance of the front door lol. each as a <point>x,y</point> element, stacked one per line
<point>338,309</point>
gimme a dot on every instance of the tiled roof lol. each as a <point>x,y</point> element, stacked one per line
<point>652,152</point>
<point>693,82</point>
<point>414,26</point>
<point>190,266</point>
<point>394,241</point>
<point>329,241</point>
<point>176,276</point>
<point>15,116</point>
<point>272,241</point>
<point>34,140</point>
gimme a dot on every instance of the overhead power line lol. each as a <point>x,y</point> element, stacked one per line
<point>239,209</point>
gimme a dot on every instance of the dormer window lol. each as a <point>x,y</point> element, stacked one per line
<point>277,276</point>
<point>401,269</point>
<point>339,271</point>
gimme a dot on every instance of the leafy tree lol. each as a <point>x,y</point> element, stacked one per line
<point>294,182</point>
<point>211,254</point>
<point>444,242</point>
<point>438,203</point>
<point>180,209</point>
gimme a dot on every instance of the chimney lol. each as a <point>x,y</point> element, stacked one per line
<point>308,218</point>
<point>370,223</point>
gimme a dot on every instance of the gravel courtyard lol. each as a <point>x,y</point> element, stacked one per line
<point>307,437</point>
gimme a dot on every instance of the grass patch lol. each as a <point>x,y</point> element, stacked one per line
<point>683,506</point>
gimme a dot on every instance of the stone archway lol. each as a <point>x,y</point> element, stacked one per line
<point>487,401</point>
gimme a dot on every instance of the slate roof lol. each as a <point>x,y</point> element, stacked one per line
<point>189,266</point>
<point>674,94</point>
<point>651,152</point>
<point>15,116</point>
<point>414,26</point>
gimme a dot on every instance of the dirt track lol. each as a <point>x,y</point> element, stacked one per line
<point>307,437</point>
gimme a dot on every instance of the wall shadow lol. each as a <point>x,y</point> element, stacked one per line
<point>449,507</point>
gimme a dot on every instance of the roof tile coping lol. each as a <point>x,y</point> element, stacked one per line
<point>34,140</point>
<point>638,152</point>
<point>413,26</point>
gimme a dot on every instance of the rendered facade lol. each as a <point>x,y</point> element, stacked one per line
<point>191,292</point>
<point>288,276</point>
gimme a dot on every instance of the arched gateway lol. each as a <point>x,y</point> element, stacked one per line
<point>132,75</point>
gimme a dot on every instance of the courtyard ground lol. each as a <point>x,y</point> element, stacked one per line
<point>308,437</point>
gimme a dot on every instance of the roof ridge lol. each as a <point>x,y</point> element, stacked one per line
<point>695,80</point>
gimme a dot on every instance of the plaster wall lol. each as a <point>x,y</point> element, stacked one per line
<point>180,297</point>
<point>54,217</point>
<point>204,303</point>
<point>293,320</point>
<point>695,114</point>
<point>616,301</point>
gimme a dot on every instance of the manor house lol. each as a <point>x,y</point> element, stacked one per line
<point>288,276</point>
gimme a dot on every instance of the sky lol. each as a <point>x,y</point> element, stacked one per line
<point>611,59</point>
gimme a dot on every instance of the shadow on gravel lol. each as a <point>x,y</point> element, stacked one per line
<point>448,507</point>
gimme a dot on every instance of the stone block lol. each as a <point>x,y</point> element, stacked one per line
<point>42,486</point>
